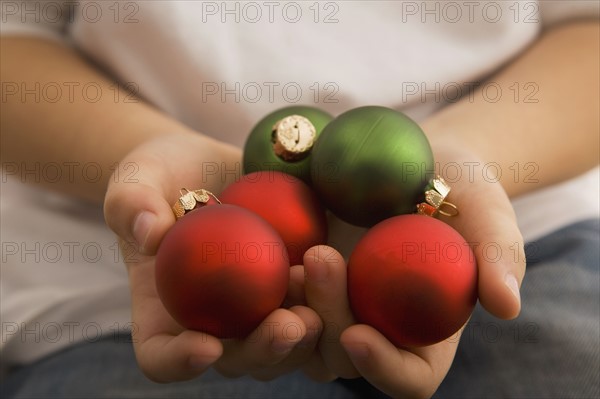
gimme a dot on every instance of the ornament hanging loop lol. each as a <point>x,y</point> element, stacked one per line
<point>451,209</point>
<point>435,199</point>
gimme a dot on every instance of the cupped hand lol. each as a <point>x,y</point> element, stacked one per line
<point>486,220</point>
<point>138,208</point>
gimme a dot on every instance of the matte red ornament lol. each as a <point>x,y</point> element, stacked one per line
<point>221,269</point>
<point>287,203</point>
<point>414,279</point>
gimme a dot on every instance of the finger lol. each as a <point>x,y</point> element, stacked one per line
<point>266,346</point>
<point>295,294</point>
<point>397,372</point>
<point>167,358</point>
<point>326,293</point>
<point>500,256</point>
<point>302,352</point>
<point>137,211</point>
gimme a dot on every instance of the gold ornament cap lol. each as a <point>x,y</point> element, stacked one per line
<point>435,199</point>
<point>189,200</point>
<point>293,138</point>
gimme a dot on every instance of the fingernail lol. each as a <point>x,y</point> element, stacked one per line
<point>511,282</point>
<point>282,347</point>
<point>200,362</point>
<point>142,225</point>
<point>357,351</point>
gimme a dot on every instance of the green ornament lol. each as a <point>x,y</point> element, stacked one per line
<point>371,163</point>
<point>283,141</point>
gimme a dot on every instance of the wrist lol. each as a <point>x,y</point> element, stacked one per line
<point>461,159</point>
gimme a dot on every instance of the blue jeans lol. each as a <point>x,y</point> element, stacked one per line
<point>550,351</point>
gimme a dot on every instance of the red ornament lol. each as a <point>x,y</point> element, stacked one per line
<point>287,203</point>
<point>221,269</point>
<point>414,279</point>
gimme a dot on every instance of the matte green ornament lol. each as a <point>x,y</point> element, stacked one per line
<point>371,163</point>
<point>283,141</point>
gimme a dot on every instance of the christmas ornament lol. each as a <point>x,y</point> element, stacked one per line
<point>287,203</point>
<point>221,269</point>
<point>414,279</point>
<point>371,163</point>
<point>283,140</point>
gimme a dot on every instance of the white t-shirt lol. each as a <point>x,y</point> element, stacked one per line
<point>219,67</point>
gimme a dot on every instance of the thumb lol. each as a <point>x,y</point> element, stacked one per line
<point>137,209</point>
<point>488,223</point>
<point>501,265</point>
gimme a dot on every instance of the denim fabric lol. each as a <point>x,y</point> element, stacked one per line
<point>107,369</point>
<point>550,351</point>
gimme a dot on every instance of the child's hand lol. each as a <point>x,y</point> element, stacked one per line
<point>350,350</point>
<point>138,209</point>
<point>487,221</point>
